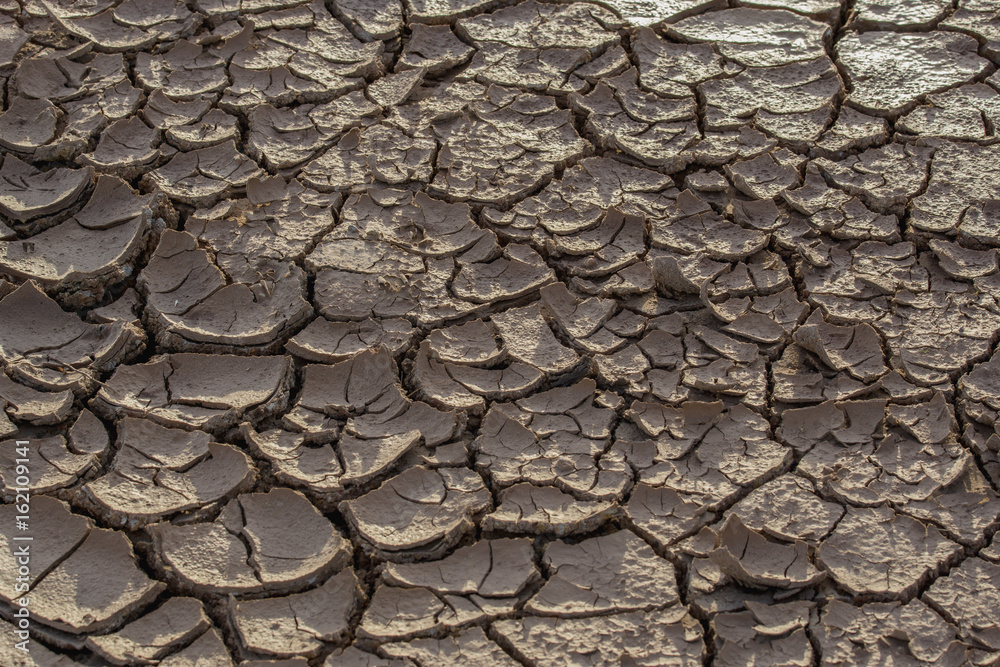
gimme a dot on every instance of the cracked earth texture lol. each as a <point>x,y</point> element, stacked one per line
<point>493,333</point>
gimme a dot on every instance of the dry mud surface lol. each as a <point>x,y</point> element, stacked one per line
<point>492,333</point>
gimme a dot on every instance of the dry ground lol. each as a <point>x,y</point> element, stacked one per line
<point>475,332</point>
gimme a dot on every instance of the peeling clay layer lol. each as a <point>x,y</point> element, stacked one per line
<point>477,333</point>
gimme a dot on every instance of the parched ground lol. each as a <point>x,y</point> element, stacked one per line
<point>492,333</point>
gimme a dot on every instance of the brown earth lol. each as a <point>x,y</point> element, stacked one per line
<point>486,332</point>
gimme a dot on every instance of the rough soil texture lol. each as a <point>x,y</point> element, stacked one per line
<point>420,333</point>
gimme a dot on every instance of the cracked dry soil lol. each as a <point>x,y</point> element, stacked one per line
<point>440,333</point>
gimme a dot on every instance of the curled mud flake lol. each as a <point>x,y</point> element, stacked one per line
<point>958,193</point>
<point>544,510</point>
<point>453,387</point>
<point>12,38</point>
<point>766,176</point>
<point>185,72</point>
<point>319,470</point>
<point>978,403</point>
<point>52,350</point>
<point>879,554</point>
<point>446,11</point>
<point>316,470</point>
<point>976,18</point>
<point>551,450</point>
<point>908,15</point>
<point>215,127</point>
<point>656,12</point>
<point>576,318</point>
<point>766,93</point>
<point>34,653</point>
<point>966,597</point>
<point>58,468</point>
<point>63,79</point>
<point>88,435</point>
<point>888,632</point>
<point>365,383</point>
<point>33,199</point>
<point>863,467</point>
<point>355,657</point>
<point>501,568</point>
<point>964,263</point>
<point>28,124</point>
<point>370,21</point>
<point>657,132</point>
<point>198,391</point>
<point>252,547</point>
<point>788,509</point>
<point>738,141</point>
<point>208,649</point>
<point>612,62</point>
<point>852,286</point>
<point>934,338</point>
<point>87,580</point>
<point>676,639</point>
<point>193,303</point>
<point>420,513</point>
<point>415,222</point>
<point>278,219</point>
<point>696,228</point>
<point>580,200</point>
<point>821,10</point>
<point>534,25</point>
<point>402,614</point>
<point>963,509</point>
<point>152,637</point>
<point>359,279</point>
<point>506,149</point>
<point>602,575</point>
<point>756,38</point>
<point>834,212</point>
<point>889,71</point>
<point>281,138</point>
<point>857,349</point>
<point>470,344</point>
<point>968,113</point>
<point>748,557</point>
<point>204,176</point>
<point>885,178</point>
<point>434,48</point>
<point>100,27</point>
<point>39,408</point>
<point>930,423</point>
<point>163,113</point>
<point>768,634</point>
<point>76,261</point>
<point>325,60</point>
<point>326,342</point>
<point>708,456</point>
<point>549,70</point>
<point>470,648</point>
<point>485,581</point>
<point>298,624</point>
<point>663,516</point>
<point>853,130</point>
<point>159,472</point>
<point>127,148</point>
<point>54,538</point>
<point>528,338</point>
<point>371,156</point>
<point>253,86</point>
<point>394,89</point>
